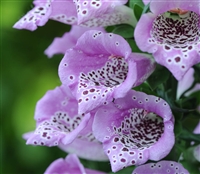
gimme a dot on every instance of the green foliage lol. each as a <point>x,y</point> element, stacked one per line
<point>158,77</point>
<point>124,30</point>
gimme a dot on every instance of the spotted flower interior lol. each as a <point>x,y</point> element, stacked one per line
<point>171,32</point>
<point>177,30</point>
<point>138,130</point>
<point>105,70</point>
<point>136,126</point>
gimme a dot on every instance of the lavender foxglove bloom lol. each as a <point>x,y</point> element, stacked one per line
<point>68,40</point>
<point>171,32</point>
<point>59,124</point>
<point>134,129</point>
<point>102,67</point>
<point>161,167</point>
<point>71,165</point>
<point>73,12</point>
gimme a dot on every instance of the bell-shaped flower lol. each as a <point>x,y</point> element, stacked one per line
<point>102,67</point>
<point>73,12</point>
<point>134,129</point>
<point>61,44</point>
<point>59,124</point>
<point>71,164</point>
<point>161,167</point>
<point>171,32</point>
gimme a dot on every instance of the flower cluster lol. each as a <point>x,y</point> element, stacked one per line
<point>113,104</point>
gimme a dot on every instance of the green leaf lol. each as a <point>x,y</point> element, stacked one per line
<point>137,11</point>
<point>146,8</point>
<point>109,29</point>
<point>159,76</point>
<point>125,30</point>
<point>144,87</point>
<point>138,2</point>
<point>133,46</point>
<point>178,128</point>
<point>189,136</point>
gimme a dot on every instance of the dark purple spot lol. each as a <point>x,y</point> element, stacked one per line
<point>44,134</point>
<point>190,47</point>
<point>92,90</point>
<point>123,160</point>
<point>41,8</point>
<point>125,149</point>
<point>133,162</point>
<point>177,59</point>
<point>167,48</point>
<point>85,92</point>
<point>84,11</point>
<point>116,139</point>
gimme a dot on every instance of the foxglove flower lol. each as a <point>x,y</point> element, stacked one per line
<point>70,164</point>
<point>59,124</point>
<point>101,67</point>
<point>171,32</point>
<point>68,40</point>
<point>73,12</point>
<point>161,167</point>
<point>136,128</point>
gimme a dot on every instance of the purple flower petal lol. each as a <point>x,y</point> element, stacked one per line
<point>67,41</point>
<point>70,164</point>
<point>92,15</point>
<point>101,67</point>
<point>195,89</point>
<point>93,9</point>
<point>134,129</point>
<point>162,167</point>
<point>146,1</point>
<point>171,34</point>
<point>185,83</point>
<point>57,119</point>
<point>197,129</point>
<point>196,152</point>
<point>38,16</point>
<point>86,145</point>
<point>160,6</point>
